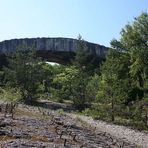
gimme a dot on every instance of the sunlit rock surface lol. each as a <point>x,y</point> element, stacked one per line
<point>50,44</point>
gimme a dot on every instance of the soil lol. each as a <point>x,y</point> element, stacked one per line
<point>41,127</point>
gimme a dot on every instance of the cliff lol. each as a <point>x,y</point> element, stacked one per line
<point>50,44</point>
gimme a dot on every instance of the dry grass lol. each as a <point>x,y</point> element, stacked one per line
<point>52,129</point>
<point>39,138</point>
<point>59,141</point>
<point>5,138</point>
<point>22,112</point>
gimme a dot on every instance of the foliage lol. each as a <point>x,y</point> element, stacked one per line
<point>63,83</point>
<point>79,90</point>
<point>23,72</point>
<point>92,88</point>
<point>113,85</point>
<point>10,95</point>
<point>71,82</point>
<point>134,39</point>
<point>118,92</point>
<point>123,77</point>
<point>84,64</point>
<point>45,78</point>
<point>1,77</point>
<point>85,60</point>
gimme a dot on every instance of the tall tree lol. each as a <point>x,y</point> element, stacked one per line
<point>63,83</point>
<point>113,83</point>
<point>85,59</point>
<point>83,63</point>
<point>23,71</point>
<point>134,37</point>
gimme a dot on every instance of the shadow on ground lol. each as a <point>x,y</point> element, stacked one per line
<point>66,107</point>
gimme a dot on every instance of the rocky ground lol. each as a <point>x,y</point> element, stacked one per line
<point>40,128</point>
<point>133,136</point>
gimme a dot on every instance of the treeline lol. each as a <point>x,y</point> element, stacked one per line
<point>123,83</point>
<point>115,90</point>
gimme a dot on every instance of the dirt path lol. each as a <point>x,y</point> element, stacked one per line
<point>132,136</point>
<point>44,128</point>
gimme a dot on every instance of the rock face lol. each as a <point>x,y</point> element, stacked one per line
<point>50,44</point>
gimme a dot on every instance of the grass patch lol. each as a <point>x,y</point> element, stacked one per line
<point>5,138</point>
<point>39,138</point>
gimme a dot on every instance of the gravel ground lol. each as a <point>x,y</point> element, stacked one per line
<point>41,128</point>
<point>132,136</point>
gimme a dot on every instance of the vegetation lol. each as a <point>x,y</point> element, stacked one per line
<point>117,90</point>
<point>122,94</point>
<point>10,97</point>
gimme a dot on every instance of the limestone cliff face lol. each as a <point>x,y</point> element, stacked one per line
<point>50,44</point>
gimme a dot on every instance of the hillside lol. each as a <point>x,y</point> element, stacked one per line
<point>40,127</point>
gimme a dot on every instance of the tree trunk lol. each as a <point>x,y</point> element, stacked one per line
<point>141,84</point>
<point>112,116</point>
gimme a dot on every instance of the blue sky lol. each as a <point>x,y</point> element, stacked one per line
<point>98,21</point>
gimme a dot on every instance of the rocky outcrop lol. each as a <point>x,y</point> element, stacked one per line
<point>50,44</point>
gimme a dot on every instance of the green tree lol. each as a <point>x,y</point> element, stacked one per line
<point>10,96</point>
<point>114,82</point>
<point>63,83</point>
<point>92,88</point>
<point>45,78</point>
<point>70,84</point>
<point>84,63</point>
<point>79,90</point>
<point>125,71</point>
<point>134,39</point>
<point>23,71</point>
<point>85,58</point>
<point>1,78</point>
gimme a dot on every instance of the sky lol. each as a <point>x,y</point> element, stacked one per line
<point>97,21</point>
